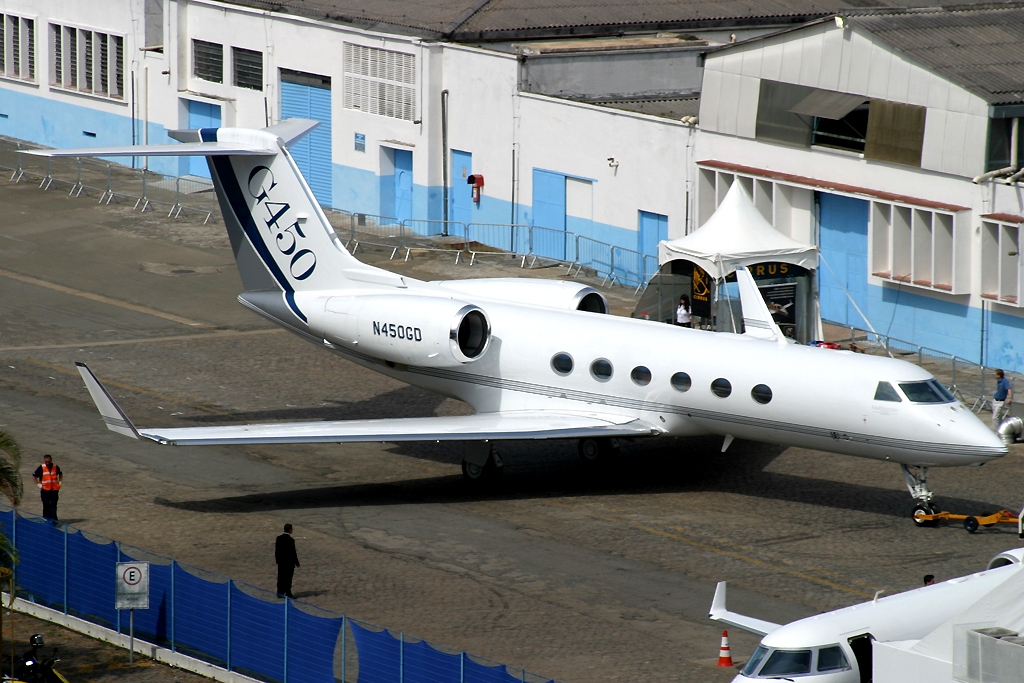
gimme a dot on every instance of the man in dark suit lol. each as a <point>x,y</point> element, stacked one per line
<point>287,561</point>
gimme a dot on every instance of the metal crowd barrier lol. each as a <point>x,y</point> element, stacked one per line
<point>230,624</point>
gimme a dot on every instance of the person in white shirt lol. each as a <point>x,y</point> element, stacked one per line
<point>683,312</point>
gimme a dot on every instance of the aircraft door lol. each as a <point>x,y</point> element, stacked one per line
<point>861,646</point>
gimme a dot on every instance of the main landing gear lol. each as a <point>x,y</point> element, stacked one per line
<point>482,463</point>
<point>595,452</point>
<point>916,478</point>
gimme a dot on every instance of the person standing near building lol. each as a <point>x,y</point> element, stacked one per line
<point>1001,399</point>
<point>683,316</point>
<point>48,477</point>
<point>287,561</point>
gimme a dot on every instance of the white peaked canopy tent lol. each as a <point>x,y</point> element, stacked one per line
<point>737,235</point>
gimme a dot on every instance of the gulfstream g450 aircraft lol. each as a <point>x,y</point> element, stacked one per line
<point>540,359</point>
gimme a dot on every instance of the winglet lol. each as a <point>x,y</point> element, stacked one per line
<point>719,612</point>
<point>757,319</point>
<point>111,413</point>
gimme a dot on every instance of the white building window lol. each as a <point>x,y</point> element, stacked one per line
<point>920,247</point>
<point>83,60</point>
<point>381,82</point>
<point>17,47</point>
<point>247,66</point>
<point>1001,264</point>
<point>208,61</point>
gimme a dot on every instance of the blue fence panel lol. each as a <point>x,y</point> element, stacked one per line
<point>311,644</point>
<point>379,654</point>
<point>153,624</point>
<point>257,635</point>
<point>40,572</point>
<point>200,617</point>
<point>7,529</point>
<point>424,664</point>
<point>92,579</point>
<point>481,673</point>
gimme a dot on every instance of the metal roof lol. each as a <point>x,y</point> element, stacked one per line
<point>482,20</point>
<point>978,48</point>
<point>667,108</point>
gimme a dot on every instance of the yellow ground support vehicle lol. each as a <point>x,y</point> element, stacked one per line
<point>923,517</point>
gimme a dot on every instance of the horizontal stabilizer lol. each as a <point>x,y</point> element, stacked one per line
<point>292,130</point>
<point>188,149</point>
<point>484,426</point>
<point>720,613</point>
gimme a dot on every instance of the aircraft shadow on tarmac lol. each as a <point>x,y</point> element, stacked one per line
<point>549,469</point>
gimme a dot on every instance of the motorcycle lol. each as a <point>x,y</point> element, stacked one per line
<point>31,667</point>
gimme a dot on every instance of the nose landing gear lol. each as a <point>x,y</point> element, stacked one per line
<point>916,478</point>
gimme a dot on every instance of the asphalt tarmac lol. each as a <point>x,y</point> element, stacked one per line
<point>581,576</point>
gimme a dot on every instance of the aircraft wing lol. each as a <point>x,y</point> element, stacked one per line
<point>719,612</point>
<point>525,424</point>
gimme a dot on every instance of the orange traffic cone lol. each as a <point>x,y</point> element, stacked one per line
<point>724,656</point>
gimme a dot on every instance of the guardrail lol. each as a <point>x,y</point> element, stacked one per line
<point>108,181</point>
<point>229,624</point>
<point>971,382</point>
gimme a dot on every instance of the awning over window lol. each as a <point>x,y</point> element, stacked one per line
<point>826,104</point>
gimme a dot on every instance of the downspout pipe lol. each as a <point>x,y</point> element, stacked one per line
<point>1014,161</point>
<point>444,158</point>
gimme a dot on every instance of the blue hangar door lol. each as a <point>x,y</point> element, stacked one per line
<point>308,96</point>
<point>844,246</point>
<point>461,193</point>
<point>403,184</point>
<point>201,115</point>
<point>549,213</point>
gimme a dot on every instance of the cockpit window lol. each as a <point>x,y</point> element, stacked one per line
<point>941,388</point>
<point>755,659</point>
<point>885,392</point>
<point>784,662</point>
<point>831,658</point>
<point>925,392</point>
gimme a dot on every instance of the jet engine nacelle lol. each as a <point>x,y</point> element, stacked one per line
<point>558,294</point>
<point>413,330</point>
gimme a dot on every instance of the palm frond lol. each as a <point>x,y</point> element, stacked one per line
<point>11,485</point>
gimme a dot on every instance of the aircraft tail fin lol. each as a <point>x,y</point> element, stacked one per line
<point>757,319</point>
<point>281,238</point>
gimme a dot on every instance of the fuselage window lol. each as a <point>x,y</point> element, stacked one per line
<point>924,392</point>
<point>885,392</point>
<point>762,393</point>
<point>601,369</point>
<point>783,662</point>
<point>681,381</point>
<point>641,375</point>
<point>831,658</point>
<point>721,387</point>
<point>561,363</point>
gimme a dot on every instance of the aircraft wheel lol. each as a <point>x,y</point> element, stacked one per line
<point>971,524</point>
<point>923,509</point>
<point>482,473</point>
<point>595,451</point>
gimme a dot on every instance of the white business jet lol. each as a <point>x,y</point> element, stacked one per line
<point>835,647</point>
<point>538,359</point>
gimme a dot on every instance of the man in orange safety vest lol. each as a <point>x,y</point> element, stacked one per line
<point>48,477</point>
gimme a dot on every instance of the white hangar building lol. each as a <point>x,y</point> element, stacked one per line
<point>892,141</point>
<point>571,111</point>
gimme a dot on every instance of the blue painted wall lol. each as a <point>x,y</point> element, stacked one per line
<point>56,123</point>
